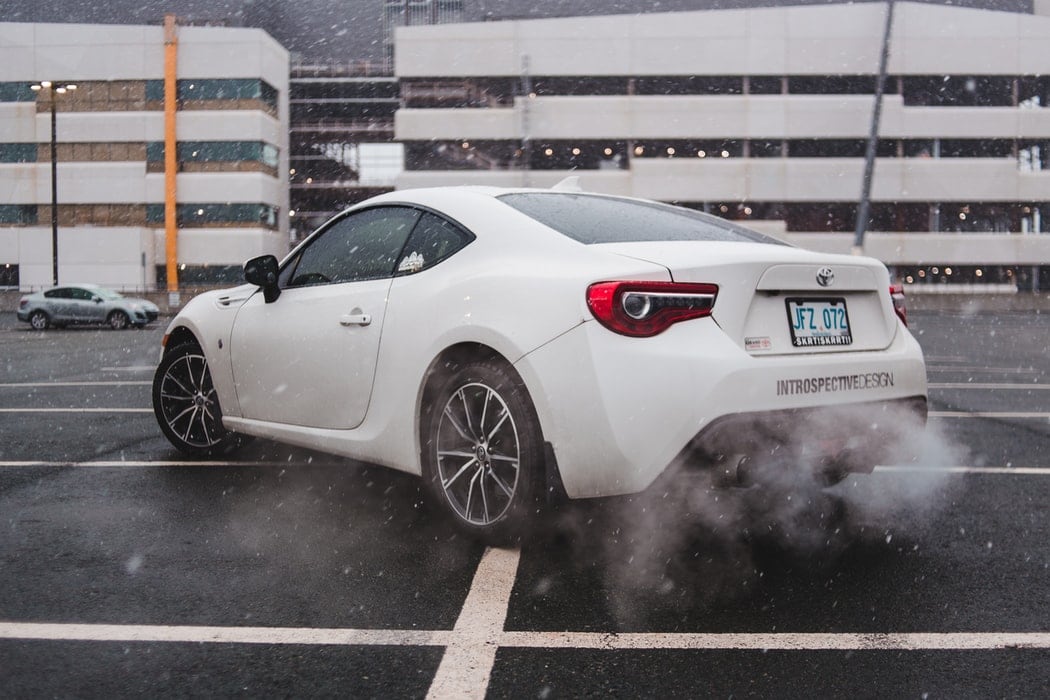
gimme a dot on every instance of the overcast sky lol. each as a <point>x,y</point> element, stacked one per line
<point>347,30</point>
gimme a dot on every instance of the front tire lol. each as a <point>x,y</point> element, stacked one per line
<point>118,320</point>
<point>483,451</point>
<point>39,320</point>
<point>187,406</point>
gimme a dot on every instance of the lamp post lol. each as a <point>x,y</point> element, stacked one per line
<point>53,91</point>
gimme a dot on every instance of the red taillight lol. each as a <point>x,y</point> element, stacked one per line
<point>23,302</point>
<point>644,309</point>
<point>899,305</point>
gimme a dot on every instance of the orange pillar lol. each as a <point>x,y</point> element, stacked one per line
<point>171,231</point>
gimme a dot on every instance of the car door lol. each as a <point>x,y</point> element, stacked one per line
<point>60,304</point>
<point>86,306</point>
<point>309,357</point>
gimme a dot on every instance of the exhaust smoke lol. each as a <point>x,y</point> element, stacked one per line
<point>697,539</point>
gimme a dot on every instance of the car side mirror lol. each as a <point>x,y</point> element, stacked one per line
<point>96,299</point>
<point>262,271</point>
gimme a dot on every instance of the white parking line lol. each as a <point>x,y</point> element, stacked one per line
<point>121,464</point>
<point>471,646</point>
<point>221,635</point>
<point>786,641</point>
<point>918,468</point>
<point>48,385</point>
<point>989,414</point>
<point>76,410</point>
<point>986,386</point>
<point>454,639</point>
<point>168,464</point>
<point>467,664</point>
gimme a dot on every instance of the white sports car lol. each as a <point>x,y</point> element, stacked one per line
<point>516,345</point>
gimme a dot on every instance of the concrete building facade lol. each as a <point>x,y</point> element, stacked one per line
<point>231,165</point>
<point>760,115</point>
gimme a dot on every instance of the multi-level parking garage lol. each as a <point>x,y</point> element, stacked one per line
<point>761,115</point>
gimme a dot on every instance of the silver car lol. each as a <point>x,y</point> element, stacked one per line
<point>84,303</point>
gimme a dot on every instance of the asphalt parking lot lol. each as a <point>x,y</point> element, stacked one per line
<point>127,570</point>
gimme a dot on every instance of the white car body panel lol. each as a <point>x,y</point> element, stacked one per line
<point>616,410</point>
<point>318,373</point>
<point>614,435</point>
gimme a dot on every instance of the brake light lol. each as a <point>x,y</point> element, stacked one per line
<point>899,305</point>
<point>645,309</point>
<point>23,302</point>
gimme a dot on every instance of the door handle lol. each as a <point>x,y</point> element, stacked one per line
<point>357,319</point>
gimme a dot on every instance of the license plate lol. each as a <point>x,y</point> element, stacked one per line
<point>818,322</point>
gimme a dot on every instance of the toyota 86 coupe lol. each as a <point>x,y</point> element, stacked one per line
<point>514,346</point>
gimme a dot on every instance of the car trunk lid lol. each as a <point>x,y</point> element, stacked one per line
<point>775,300</point>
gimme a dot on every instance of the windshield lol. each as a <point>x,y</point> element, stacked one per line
<point>108,294</point>
<point>595,219</point>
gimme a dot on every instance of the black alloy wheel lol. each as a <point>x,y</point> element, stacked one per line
<point>483,451</point>
<point>186,404</point>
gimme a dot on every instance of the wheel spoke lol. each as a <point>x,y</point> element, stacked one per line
<point>177,383</point>
<point>455,453</point>
<point>466,413</point>
<point>174,397</point>
<point>455,424</point>
<point>499,482</point>
<point>189,425</point>
<point>470,493</point>
<point>499,424</point>
<point>485,410</point>
<point>484,494</point>
<point>446,484</point>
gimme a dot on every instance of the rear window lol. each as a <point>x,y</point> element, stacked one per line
<point>597,219</point>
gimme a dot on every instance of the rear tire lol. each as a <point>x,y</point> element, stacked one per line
<point>39,320</point>
<point>186,404</point>
<point>482,453</point>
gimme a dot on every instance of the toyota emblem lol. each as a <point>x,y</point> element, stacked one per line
<point>825,277</point>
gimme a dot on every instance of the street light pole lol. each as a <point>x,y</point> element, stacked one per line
<point>54,193</point>
<point>53,90</point>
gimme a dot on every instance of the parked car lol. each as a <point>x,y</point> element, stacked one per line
<point>85,303</point>
<point>512,344</point>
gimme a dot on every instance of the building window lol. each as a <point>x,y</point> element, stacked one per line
<point>229,89</point>
<point>835,85</point>
<point>689,85</point>
<point>827,148</point>
<point>17,152</point>
<point>976,148</point>
<point>958,91</point>
<point>16,92</point>
<point>203,275</point>
<point>8,276</point>
<point>210,214</point>
<point>216,151</point>
<point>765,85</point>
<point>18,214</point>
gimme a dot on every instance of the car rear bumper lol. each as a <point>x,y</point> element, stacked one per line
<point>826,442</point>
<point>619,411</point>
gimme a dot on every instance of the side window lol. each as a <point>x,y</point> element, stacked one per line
<point>81,294</point>
<point>432,241</point>
<point>60,293</point>
<point>361,246</point>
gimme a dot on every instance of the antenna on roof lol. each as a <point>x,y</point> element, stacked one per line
<point>569,184</point>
